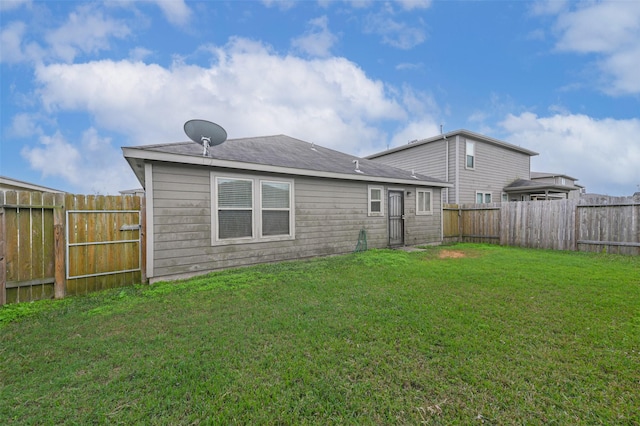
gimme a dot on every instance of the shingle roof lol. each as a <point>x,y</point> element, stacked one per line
<point>279,151</point>
<point>450,135</point>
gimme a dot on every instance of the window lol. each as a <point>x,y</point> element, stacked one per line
<point>505,197</point>
<point>424,203</point>
<point>483,197</point>
<point>247,209</point>
<point>235,208</point>
<point>276,207</point>
<point>471,155</point>
<point>375,201</point>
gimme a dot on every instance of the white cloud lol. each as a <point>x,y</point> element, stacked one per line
<point>610,30</point>
<point>11,42</point>
<point>624,69</point>
<point>6,5</point>
<point>282,4</point>
<point>139,54</point>
<point>93,166</point>
<point>600,153</point>
<point>414,4</point>
<point>548,7</point>
<point>414,130</point>
<point>26,125</point>
<point>394,32</point>
<point>249,90</point>
<point>409,66</point>
<point>87,30</point>
<point>317,41</point>
<point>176,11</point>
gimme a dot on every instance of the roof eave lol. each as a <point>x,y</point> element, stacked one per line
<point>446,136</point>
<point>555,188</point>
<point>134,155</point>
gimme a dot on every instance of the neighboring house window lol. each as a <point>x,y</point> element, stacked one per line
<point>248,209</point>
<point>505,197</point>
<point>375,201</point>
<point>276,207</point>
<point>471,155</point>
<point>424,203</point>
<point>483,197</point>
<point>235,208</point>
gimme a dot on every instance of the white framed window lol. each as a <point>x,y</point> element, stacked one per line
<point>470,162</point>
<point>234,212</point>
<point>248,209</point>
<point>505,197</point>
<point>275,204</point>
<point>424,202</point>
<point>376,204</point>
<point>483,197</point>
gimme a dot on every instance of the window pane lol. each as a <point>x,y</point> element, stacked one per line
<point>479,198</point>
<point>376,194</point>
<point>426,201</point>
<point>487,198</point>
<point>275,195</point>
<point>234,193</point>
<point>420,201</point>
<point>469,161</point>
<point>376,206</point>
<point>470,151</point>
<point>234,223</point>
<point>275,222</point>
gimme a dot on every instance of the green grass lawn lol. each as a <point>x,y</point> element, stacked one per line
<point>465,334</point>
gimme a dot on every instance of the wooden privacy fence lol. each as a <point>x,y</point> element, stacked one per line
<point>610,224</point>
<point>52,245</point>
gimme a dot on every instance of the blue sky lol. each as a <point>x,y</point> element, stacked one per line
<point>79,80</point>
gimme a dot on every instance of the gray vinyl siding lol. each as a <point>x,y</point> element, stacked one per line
<point>422,229</point>
<point>329,215</point>
<point>495,168</point>
<point>428,159</point>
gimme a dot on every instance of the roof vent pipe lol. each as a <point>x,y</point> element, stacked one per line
<point>357,163</point>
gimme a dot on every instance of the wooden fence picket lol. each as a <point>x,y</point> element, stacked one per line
<point>42,256</point>
<point>604,224</point>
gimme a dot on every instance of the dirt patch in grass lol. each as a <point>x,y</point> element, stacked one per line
<point>451,254</point>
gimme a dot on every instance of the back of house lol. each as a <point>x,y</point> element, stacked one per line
<point>274,198</point>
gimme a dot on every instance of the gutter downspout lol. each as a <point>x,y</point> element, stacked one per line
<point>446,164</point>
<point>457,171</point>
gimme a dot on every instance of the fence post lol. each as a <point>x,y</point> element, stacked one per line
<point>143,239</point>
<point>3,266</point>
<point>576,228</point>
<point>59,286</point>
<point>460,224</point>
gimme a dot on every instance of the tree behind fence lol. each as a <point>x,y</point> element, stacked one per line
<point>597,224</point>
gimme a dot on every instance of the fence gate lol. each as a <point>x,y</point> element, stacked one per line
<point>103,249</point>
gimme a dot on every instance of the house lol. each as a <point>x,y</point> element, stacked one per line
<point>274,198</point>
<point>10,184</point>
<point>481,169</point>
<point>556,186</point>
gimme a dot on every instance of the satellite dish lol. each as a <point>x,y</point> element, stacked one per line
<point>205,133</point>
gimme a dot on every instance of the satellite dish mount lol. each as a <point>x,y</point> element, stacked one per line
<point>205,133</point>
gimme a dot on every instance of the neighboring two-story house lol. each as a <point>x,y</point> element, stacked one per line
<point>481,169</point>
<point>544,186</point>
